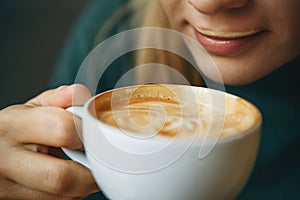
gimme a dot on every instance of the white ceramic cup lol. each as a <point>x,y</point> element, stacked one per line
<point>129,168</point>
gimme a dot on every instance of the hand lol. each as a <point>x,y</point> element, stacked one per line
<point>31,164</point>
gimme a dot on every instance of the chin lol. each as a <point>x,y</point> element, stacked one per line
<point>238,81</point>
<point>234,74</point>
<point>230,81</point>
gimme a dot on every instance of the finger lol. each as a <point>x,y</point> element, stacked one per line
<point>63,96</point>
<point>49,174</point>
<point>12,190</point>
<point>50,126</point>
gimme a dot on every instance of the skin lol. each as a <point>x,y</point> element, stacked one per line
<point>30,159</point>
<point>277,19</point>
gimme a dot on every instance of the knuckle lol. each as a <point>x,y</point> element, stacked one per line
<point>9,117</point>
<point>6,118</point>
<point>64,129</point>
<point>59,179</point>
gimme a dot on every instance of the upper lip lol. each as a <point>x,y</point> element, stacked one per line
<point>227,34</point>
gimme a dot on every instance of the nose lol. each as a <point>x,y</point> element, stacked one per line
<point>215,6</point>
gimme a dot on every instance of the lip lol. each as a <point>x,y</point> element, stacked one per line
<point>226,43</point>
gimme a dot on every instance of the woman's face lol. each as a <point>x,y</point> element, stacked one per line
<point>247,39</point>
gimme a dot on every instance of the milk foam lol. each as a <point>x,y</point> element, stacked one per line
<point>151,117</point>
<point>155,113</point>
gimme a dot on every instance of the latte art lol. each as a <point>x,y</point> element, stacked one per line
<point>150,118</point>
<point>157,110</point>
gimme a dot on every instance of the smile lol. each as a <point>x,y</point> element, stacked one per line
<point>226,43</point>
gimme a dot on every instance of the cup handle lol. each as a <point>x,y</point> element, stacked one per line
<point>77,155</point>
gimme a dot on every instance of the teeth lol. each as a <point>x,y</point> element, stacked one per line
<point>227,34</point>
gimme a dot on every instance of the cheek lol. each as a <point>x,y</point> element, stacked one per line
<point>285,26</point>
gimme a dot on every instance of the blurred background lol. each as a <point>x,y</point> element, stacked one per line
<point>32,34</point>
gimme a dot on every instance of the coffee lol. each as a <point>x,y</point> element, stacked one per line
<point>168,110</point>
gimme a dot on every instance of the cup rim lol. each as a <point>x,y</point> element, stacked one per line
<point>159,139</point>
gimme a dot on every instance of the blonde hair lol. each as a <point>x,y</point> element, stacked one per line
<point>149,13</point>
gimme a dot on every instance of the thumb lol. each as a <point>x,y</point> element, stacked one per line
<point>64,96</point>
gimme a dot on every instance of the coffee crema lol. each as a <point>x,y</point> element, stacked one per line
<point>169,110</point>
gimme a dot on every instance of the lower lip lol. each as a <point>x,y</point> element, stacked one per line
<point>225,46</point>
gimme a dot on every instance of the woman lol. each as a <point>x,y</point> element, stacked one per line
<point>255,46</point>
